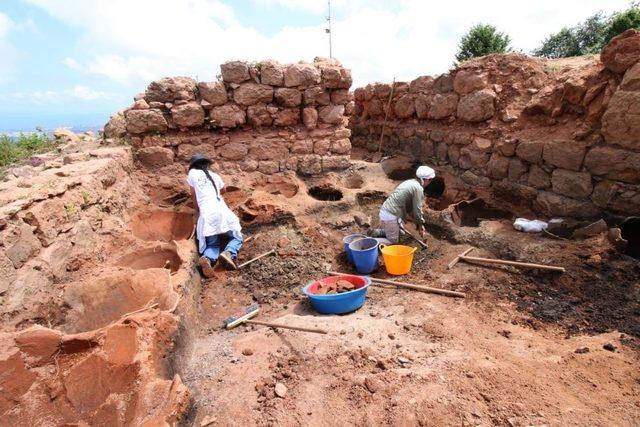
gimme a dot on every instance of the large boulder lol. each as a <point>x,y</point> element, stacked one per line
<point>498,166</point>
<point>538,177</point>
<point>614,163</point>
<point>155,157</point>
<point>260,115</point>
<point>622,52</point>
<point>235,72</point>
<point>253,93</point>
<point>564,154</point>
<point>531,151</point>
<point>310,117</point>
<point>331,114</point>
<point>301,75</point>
<point>215,93</point>
<point>288,97</point>
<point>477,106</point>
<point>188,115</point>
<point>227,116</point>
<point>467,81</point>
<point>145,121</point>
<point>316,95</point>
<point>621,120</point>
<point>443,106</point>
<point>170,89</point>
<point>234,151</point>
<point>576,185</point>
<point>552,204</point>
<point>404,107</point>
<point>116,127</point>
<point>271,73</point>
<point>423,84</point>
<point>287,117</point>
<point>335,77</point>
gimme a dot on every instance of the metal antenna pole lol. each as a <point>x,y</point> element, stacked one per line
<point>329,29</point>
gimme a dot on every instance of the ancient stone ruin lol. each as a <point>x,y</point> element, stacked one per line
<point>261,116</point>
<point>107,321</point>
<point>562,140</point>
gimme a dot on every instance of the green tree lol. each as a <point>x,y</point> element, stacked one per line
<point>482,39</point>
<point>585,38</point>
<point>621,22</point>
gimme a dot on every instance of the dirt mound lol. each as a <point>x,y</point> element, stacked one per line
<point>96,303</point>
<point>96,378</point>
<point>164,225</point>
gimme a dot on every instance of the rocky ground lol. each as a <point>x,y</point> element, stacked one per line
<point>106,321</point>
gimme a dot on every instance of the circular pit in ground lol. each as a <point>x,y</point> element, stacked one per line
<point>325,193</point>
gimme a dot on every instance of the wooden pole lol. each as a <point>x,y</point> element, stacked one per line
<point>423,244</point>
<point>244,264</point>
<point>410,286</point>
<point>386,114</point>
<point>456,259</point>
<point>514,263</point>
<point>279,325</point>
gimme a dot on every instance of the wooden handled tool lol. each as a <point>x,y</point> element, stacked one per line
<point>463,257</point>
<point>252,311</point>
<point>423,244</point>
<point>409,286</point>
<point>244,264</point>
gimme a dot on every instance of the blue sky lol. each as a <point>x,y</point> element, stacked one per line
<point>74,62</point>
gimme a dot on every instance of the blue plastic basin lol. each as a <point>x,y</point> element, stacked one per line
<point>338,303</point>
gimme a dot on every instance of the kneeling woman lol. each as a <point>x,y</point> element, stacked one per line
<point>217,224</point>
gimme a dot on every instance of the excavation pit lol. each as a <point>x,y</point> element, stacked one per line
<point>96,303</point>
<point>161,256</point>
<point>400,168</point>
<point>277,184</point>
<point>325,193</point>
<point>353,181</point>
<point>162,225</point>
<point>470,213</point>
<point>630,230</point>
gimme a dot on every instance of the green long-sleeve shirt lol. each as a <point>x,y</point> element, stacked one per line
<point>407,197</point>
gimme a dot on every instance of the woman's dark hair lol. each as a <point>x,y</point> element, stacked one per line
<point>435,189</point>
<point>200,162</point>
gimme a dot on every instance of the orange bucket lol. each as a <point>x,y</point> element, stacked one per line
<point>397,258</point>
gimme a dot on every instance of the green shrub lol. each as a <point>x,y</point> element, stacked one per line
<point>621,22</point>
<point>482,39</point>
<point>13,149</point>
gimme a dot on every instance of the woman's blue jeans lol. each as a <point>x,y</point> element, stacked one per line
<point>234,243</point>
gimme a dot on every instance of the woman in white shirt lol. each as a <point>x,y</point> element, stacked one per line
<point>217,224</point>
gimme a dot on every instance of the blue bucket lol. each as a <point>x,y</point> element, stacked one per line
<point>365,254</point>
<point>338,303</point>
<point>348,240</point>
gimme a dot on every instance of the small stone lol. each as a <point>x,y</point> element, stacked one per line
<point>391,336</point>
<point>281,390</point>
<point>403,360</point>
<point>582,350</point>
<point>247,352</point>
<point>609,347</point>
<point>360,334</point>
<point>373,384</point>
<point>208,420</point>
<point>342,332</point>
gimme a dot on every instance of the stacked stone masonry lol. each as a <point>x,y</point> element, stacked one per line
<point>264,117</point>
<point>562,140</point>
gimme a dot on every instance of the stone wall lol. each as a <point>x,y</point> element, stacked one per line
<point>560,137</point>
<point>261,116</point>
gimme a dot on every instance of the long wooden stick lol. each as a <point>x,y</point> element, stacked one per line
<point>386,114</point>
<point>244,264</point>
<point>514,263</point>
<point>456,259</point>
<point>409,286</point>
<point>279,325</point>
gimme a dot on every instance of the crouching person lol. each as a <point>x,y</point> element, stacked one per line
<point>217,227</point>
<point>406,199</point>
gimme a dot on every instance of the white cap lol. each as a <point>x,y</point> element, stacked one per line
<point>425,172</point>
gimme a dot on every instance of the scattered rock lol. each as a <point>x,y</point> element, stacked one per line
<point>582,350</point>
<point>280,390</point>
<point>373,384</point>
<point>609,347</point>
<point>247,352</point>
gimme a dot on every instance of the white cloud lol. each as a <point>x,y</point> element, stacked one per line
<point>72,63</point>
<point>137,41</point>
<point>6,24</point>
<point>80,92</point>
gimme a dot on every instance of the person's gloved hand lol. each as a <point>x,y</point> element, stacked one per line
<point>423,231</point>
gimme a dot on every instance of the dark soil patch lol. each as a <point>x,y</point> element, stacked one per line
<point>469,213</point>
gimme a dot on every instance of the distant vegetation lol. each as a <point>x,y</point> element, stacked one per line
<point>482,39</point>
<point>22,146</point>
<point>590,36</point>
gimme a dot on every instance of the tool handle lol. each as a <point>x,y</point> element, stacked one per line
<point>456,259</point>
<point>424,245</point>
<point>244,264</point>
<point>409,286</point>
<point>279,325</point>
<point>514,263</point>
